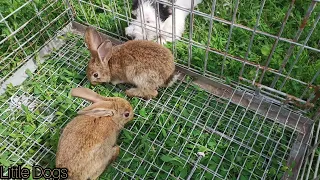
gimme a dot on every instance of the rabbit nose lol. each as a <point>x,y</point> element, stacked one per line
<point>131,37</point>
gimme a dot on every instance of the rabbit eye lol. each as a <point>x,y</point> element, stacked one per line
<point>126,114</point>
<point>148,21</point>
<point>95,75</point>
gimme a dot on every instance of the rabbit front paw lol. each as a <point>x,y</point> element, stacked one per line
<point>115,82</point>
<point>116,151</point>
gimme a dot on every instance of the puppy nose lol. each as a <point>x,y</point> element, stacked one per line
<point>130,37</point>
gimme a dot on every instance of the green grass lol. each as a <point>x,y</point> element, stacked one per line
<point>163,133</point>
<point>37,28</point>
<point>270,22</point>
<point>166,133</point>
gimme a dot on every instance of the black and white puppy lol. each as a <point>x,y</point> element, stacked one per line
<point>147,19</point>
<point>164,10</point>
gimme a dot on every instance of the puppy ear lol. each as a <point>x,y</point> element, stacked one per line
<point>99,109</point>
<point>92,39</point>
<point>135,4</point>
<point>105,51</point>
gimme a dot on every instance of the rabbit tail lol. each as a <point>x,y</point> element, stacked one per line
<point>172,79</point>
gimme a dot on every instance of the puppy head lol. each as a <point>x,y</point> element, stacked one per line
<point>144,26</point>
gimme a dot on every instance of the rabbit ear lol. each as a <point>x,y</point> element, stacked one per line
<point>86,94</point>
<point>105,51</point>
<point>98,109</point>
<point>92,39</point>
<point>90,95</point>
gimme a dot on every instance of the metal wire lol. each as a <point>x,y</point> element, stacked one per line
<point>169,131</point>
<point>212,50</point>
<point>70,54</point>
<point>29,39</point>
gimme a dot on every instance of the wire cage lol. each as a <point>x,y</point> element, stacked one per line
<point>245,107</point>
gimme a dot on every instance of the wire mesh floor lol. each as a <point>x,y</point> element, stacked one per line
<point>163,140</point>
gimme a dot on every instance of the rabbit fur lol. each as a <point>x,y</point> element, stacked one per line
<point>142,63</point>
<point>87,144</point>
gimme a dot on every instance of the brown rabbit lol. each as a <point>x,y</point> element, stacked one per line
<point>145,64</point>
<point>87,144</point>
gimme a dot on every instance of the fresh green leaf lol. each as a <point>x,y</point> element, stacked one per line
<point>28,72</point>
<point>265,50</point>
<point>142,112</point>
<point>5,162</point>
<point>166,158</point>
